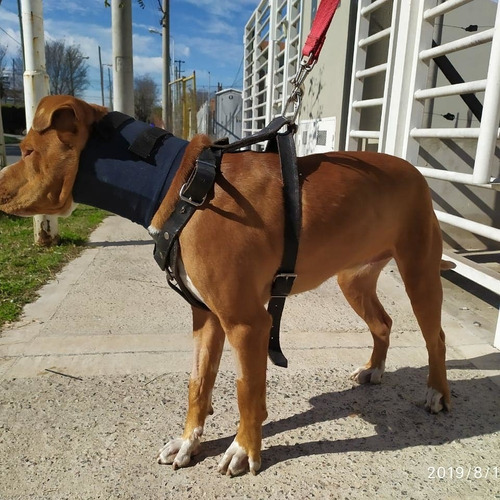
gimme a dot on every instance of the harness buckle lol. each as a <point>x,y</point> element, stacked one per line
<point>201,180</point>
<point>282,284</point>
<point>188,199</point>
<point>295,98</point>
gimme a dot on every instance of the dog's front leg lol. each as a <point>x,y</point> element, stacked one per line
<point>249,342</point>
<point>209,341</point>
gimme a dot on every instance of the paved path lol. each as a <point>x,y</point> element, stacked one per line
<point>94,378</point>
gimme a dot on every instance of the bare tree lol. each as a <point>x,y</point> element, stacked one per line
<point>3,52</point>
<point>66,67</point>
<point>16,92</point>
<point>145,97</point>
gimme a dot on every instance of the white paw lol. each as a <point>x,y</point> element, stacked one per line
<point>235,461</point>
<point>434,401</point>
<point>368,375</point>
<point>179,451</point>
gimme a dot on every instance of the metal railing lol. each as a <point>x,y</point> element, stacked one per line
<point>410,90</point>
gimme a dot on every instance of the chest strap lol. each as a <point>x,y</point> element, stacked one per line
<point>285,276</point>
<point>192,195</point>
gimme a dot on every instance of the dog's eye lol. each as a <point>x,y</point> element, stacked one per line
<point>27,152</point>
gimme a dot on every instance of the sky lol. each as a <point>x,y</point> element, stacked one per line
<point>206,34</point>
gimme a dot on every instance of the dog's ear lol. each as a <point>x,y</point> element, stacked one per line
<point>63,113</point>
<point>66,115</point>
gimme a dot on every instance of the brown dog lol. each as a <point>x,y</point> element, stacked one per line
<point>360,209</point>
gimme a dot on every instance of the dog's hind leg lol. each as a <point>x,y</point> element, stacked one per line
<point>359,287</point>
<point>249,339</point>
<point>209,341</point>
<point>419,261</point>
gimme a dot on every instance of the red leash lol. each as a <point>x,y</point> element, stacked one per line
<point>321,23</point>
<point>310,52</point>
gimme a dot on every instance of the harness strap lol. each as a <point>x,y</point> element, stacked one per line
<point>268,132</point>
<point>285,277</point>
<point>111,122</point>
<point>192,195</point>
<point>175,280</point>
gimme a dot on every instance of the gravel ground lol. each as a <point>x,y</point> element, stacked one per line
<point>104,321</point>
<point>63,438</point>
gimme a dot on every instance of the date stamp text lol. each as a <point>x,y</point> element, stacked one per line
<point>466,472</point>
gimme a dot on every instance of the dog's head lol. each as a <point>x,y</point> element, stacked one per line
<point>42,180</point>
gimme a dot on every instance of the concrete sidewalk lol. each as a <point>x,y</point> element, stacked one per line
<point>94,379</point>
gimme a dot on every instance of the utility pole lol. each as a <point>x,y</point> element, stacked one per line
<point>3,155</point>
<point>36,86</point>
<point>110,88</point>
<point>123,71</point>
<point>178,70</point>
<point>165,96</point>
<point>102,75</point>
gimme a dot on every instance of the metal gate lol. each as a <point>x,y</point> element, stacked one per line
<point>272,52</point>
<point>397,87</point>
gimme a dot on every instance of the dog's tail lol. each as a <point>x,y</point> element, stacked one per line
<point>446,265</point>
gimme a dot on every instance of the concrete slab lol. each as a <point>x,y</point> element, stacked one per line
<point>94,378</point>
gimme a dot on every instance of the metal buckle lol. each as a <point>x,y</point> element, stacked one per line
<point>306,65</point>
<point>296,99</point>
<point>284,291</point>
<point>190,200</point>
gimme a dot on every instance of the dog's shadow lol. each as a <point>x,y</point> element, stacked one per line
<point>395,410</point>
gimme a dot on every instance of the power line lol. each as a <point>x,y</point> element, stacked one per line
<point>10,36</point>
<point>237,77</point>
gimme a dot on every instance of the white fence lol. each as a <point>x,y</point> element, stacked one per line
<point>392,101</point>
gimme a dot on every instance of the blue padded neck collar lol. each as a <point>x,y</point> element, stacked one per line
<point>115,179</point>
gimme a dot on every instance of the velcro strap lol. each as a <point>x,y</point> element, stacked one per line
<point>110,123</point>
<point>148,141</point>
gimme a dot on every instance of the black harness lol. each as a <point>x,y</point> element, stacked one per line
<point>193,195</point>
<point>127,168</point>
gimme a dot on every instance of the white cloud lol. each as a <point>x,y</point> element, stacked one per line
<point>71,8</point>
<point>147,65</point>
<point>10,35</point>
<point>224,8</point>
<point>88,39</point>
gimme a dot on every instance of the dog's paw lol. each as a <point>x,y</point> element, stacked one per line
<point>235,461</point>
<point>365,375</point>
<point>178,452</point>
<point>435,401</point>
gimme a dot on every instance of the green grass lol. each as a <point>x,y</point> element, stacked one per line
<point>25,267</point>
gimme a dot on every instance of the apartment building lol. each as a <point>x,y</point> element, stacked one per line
<point>415,78</point>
